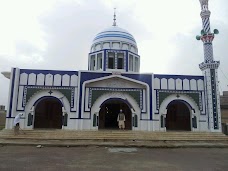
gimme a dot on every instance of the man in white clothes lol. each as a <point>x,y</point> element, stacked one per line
<point>121,120</point>
<point>16,123</point>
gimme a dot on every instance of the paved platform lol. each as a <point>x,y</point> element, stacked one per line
<point>146,144</point>
<point>24,158</point>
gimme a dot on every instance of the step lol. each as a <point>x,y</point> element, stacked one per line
<point>115,135</point>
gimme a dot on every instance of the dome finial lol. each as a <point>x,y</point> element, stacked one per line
<point>114,17</point>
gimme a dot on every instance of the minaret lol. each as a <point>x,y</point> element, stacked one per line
<point>209,68</point>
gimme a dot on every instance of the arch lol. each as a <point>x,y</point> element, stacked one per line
<point>48,113</point>
<point>130,102</point>
<point>182,97</point>
<point>47,97</point>
<point>185,99</point>
<point>39,96</point>
<point>43,94</point>
<point>96,105</point>
<point>119,99</point>
<point>109,112</point>
<point>178,116</point>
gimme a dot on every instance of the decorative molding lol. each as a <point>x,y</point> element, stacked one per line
<point>190,94</point>
<point>95,93</point>
<point>116,83</point>
<point>30,91</point>
<point>211,65</point>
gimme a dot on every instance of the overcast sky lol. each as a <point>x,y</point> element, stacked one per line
<point>57,34</point>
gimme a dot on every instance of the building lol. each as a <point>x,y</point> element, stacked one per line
<point>2,116</point>
<point>92,99</point>
<point>224,107</point>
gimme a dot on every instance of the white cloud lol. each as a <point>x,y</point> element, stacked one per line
<point>57,34</point>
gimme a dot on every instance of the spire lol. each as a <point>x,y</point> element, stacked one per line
<point>204,5</point>
<point>205,15</point>
<point>114,17</point>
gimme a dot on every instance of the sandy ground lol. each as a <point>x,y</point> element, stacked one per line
<point>114,159</point>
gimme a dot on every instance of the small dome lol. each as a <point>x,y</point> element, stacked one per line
<point>114,34</point>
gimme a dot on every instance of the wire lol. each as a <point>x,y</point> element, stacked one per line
<point>220,87</point>
<point>223,73</point>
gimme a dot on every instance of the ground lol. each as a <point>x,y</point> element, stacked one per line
<point>104,158</point>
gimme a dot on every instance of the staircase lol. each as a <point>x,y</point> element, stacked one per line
<point>113,136</point>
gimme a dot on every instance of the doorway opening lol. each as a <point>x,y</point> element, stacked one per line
<point>48,114</point>
<point>178,117</point>
<point>109,112</point>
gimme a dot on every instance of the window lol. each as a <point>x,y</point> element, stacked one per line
<point>131,62</point>
<point>99,61</point>
<point>136,64</point>
<point>120,61</point>
<point>111,60</point>
<point>92,62</point>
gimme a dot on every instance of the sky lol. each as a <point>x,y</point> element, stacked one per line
<point>57,34</point>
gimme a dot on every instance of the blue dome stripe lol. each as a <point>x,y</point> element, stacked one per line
<point>121,36</point>
<point>114,35</point>
<point>115,31</point>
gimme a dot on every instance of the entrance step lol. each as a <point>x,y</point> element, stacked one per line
<point>113,135</point>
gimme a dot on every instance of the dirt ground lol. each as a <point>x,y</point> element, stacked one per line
<point>114,159</point>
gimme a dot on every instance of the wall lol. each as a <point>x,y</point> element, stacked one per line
<point>2,116</point>
<point>26,83</point>
<point>187,88</point>
<point>224,106</point>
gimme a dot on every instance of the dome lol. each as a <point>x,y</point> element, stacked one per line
<point>114,49</point>
<point>115,34</point>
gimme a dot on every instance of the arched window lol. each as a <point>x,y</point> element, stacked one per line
<point>130,62</point>
<point>136,64</point>
<point>99,61</point>
<point>111,60</point>
<point>92,62</point>
<point>120,61</point>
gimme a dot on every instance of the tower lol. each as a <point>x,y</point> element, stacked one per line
<point>114,50</point>
<point>209,68</point>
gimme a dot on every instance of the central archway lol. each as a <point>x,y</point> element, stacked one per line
<point>48,113</point>
<point>178,116</point>
<point>109,112</point>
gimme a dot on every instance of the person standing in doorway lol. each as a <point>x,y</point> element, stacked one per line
<point>121,120</point>
<point>16,123</point>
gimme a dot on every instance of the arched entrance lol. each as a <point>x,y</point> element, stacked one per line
<point>178,116</point>
<point>109,112</point>
<point>48,113</point>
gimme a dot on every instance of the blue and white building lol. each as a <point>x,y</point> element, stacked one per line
<point>91,99</point>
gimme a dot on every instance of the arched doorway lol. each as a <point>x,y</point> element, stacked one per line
<point>48,113</point>
<point>109,112</point>
<point>178,116</point>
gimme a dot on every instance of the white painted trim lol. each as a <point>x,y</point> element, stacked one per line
<point>96,107</point>
<point>115,76</point>
<point>31,108</point>
<point>170,98</point>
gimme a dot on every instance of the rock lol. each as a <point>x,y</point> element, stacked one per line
<point>39,146</point>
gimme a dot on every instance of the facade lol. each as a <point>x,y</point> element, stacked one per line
<point>2,116</point>
<point>92,99</point>
<point>224,107</point>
